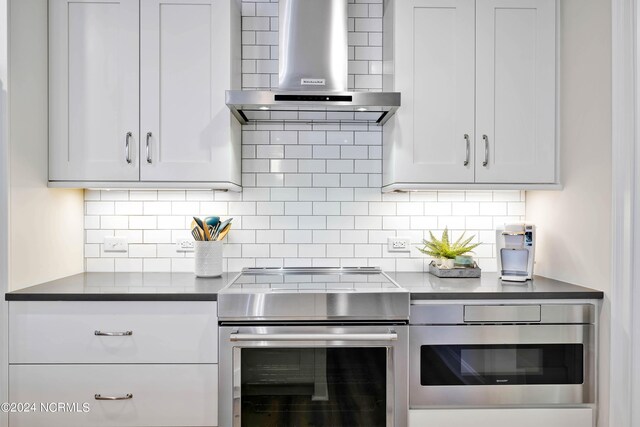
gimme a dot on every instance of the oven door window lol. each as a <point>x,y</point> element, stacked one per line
<point>501,364</point>
<point>344,386</point>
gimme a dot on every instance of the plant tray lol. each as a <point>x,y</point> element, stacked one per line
<point>456,272</point>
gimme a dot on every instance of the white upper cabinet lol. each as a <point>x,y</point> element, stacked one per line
<point>515,91</point>
<point>93,80</point>
<point>186,126</point>
<point>477,79</point>
<point>433,130</point>
<point>138,93</point>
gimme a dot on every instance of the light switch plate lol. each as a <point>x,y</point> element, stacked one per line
<point>399,244</point>
<point>116,244</point>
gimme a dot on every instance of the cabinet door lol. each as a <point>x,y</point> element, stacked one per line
<point>434,132</point>
<point>185,123</point>
<point>93,81</point>
<point>515,63</point>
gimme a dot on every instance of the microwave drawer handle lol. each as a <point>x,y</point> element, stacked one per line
<point>127,396</point>
<point>392,336</point>
<point>113,334</point>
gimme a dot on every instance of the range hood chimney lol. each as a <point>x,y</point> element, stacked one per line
<point>313,70</point>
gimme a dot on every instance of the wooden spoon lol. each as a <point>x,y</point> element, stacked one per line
<point>224,232</point>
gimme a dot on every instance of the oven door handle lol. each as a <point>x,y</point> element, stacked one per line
<point>391,336</point>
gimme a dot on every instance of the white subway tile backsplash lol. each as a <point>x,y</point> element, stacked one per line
<point>284,251</point>
<point>113,222</point>
<point>311,191</point>
<point>312,137</point>
<point>298,236</point>
<point>312,222</point>
<point>97,236</point>
<point>171,195</point>
<point>312,166</point>
<point>128,265</point>
<point>114,195</point>
<point>255,251</point>
<point>282,165</point>
<point>91,222</point>
<point>312,194</point>
<point>157,208</point>
<point>99,208</point>
<point>142,250</point>
<point>340,194</point>
<point>100,265</point>
<point>297,180</point>
<point>270,151</point>
<point>354,236</point>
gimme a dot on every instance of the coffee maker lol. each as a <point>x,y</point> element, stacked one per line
<point>515,251</point>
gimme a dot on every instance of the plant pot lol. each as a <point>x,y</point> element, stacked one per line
<point>208,258</point>
<point>445,263</point>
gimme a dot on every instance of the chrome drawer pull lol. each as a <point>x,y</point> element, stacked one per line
<point>314,337</point>
<point>149,160</point>
<point>486,150</point>
<point>125,397</point>
<point>127,151</point>
<point>466,160</point>
<point>114,334</point>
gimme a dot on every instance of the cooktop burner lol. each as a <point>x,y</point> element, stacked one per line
<point>314,293</point>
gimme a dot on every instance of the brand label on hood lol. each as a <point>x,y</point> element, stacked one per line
<point>312,82</point>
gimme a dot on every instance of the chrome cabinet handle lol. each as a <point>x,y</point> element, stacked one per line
<point>466,159</point>
<point>126,148</point>
<point>485,138</point>
<point>148,149</point>
<point>125,397</point>
<point>314,337</point>
<point>113,334</point>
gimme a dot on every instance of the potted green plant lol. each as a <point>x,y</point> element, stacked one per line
<point>444,251</point>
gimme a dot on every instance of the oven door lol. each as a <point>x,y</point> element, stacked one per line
<point>313,376</point>
<point>475,365</point>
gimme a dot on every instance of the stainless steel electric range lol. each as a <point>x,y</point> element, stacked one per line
<point>313,346</point>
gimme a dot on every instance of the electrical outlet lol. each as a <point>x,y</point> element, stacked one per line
<point>398,244</point>
<point>116,244</point>
<point>184,245</point>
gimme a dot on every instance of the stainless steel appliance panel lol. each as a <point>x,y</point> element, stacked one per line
<point>320,306</point>
<point>457,314</point>
<point>313,45</point>
<point>501,394</point>
<point>501,313</point>
<point>300,371</point>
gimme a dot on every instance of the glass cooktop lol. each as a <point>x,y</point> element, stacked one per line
<point>312,280</point>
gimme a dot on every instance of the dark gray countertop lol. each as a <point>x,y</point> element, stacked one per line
<point>125,287</point>
<point>187,287</point>
<point>425,286</point>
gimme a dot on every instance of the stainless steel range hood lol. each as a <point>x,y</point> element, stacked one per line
<point>313,60</point>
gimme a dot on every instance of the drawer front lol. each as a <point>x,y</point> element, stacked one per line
<point>162,395</point>
<point>547,417</point>
<point>44,332</point>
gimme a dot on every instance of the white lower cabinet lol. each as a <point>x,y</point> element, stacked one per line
<point>161,395</point>
<point>533,417</point>
<point>134,363</point>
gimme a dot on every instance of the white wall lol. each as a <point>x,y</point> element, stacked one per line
<point>4,210</point>
<point>574,225</point>
<point>54,215</point>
